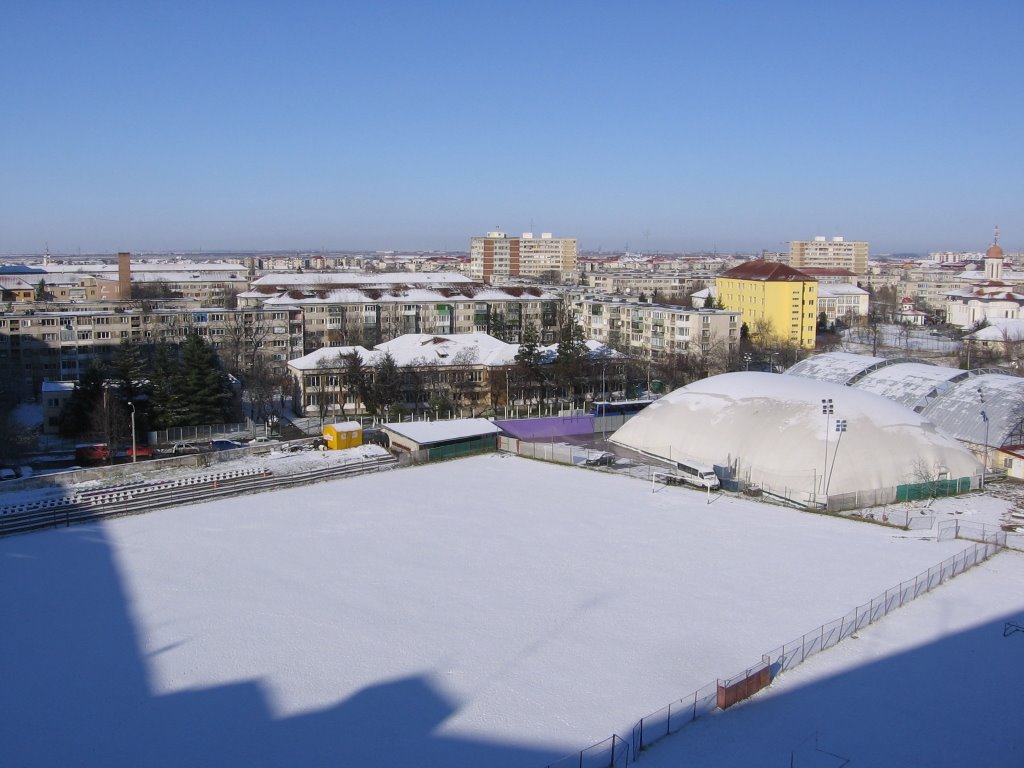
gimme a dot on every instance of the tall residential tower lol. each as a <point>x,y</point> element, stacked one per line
<point>497,256</point>
<point>837,252</point>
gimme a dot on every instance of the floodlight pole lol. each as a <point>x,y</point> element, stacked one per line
<point>841,429</point>
<point>827,408</point>
<point>984,417</point>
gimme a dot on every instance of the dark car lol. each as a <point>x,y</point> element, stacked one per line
<point>603,459</point>
<point>225,445</point>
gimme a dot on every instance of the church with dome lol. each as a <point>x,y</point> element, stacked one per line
<point>997,296</point>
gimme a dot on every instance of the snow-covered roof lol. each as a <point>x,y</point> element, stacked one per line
<point>1005,329</point>
<point>771,430</point>
<point>14,282</point>
<point>452,349</point>
<point>837,367</point>
<point>947,397</point>
<point>839,289</point>
<point>402,295</point>
<point>361,279</point>
<point>430,432</point>
<point>959,409</point>
<point>444,349</point>
<point>329,355</point>
<point>911,384</point>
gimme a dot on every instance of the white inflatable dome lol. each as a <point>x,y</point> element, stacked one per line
<point>772,431</point>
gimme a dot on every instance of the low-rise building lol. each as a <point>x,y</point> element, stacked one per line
<point>641,329</point>
<point>352,309</point>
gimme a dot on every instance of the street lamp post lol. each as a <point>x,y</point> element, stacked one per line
<point>747,357</point>
<point>135,453</point>
<point>604,407</point>
<point>827,409</point>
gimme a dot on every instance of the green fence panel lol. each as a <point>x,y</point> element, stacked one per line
<point>933,488</point>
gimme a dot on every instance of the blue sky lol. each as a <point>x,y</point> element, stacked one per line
<point>661,126</point>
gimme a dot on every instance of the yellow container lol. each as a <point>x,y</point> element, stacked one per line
<point>345,434</point>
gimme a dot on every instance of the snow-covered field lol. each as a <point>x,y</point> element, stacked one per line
<point>487,611</point>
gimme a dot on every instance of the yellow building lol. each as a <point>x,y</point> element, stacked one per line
<point>774,300</point>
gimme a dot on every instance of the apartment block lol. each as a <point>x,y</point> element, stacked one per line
<point>498,257</point>
<point>774,299</point>
<point>834,253</point>
<point>679,284</point>
<point>640,329</point>
<point>342,309</point>
<point>41,345</point>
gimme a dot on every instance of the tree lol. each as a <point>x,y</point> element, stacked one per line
<point>86,399</point>
<point>328,388</point>
<point>166,400</point>
<point>357,382</point>
<point>529,359</point>
<point>570,358</point>
<point>128,371</point>
<point>206,393</point>
<point>387,383</point>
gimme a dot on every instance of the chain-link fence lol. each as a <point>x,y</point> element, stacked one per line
<point>724,693</point>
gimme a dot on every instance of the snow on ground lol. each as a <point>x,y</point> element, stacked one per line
<point>487,611</point>
<point>937,683</point>
<point>274,458</point>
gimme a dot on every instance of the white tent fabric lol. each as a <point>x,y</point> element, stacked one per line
<point>772,430</point>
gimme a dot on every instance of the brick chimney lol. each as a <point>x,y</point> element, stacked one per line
<point>124,276</point>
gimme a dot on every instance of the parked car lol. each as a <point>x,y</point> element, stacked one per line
<point>602,459</point>
<point>263,440</point>
<point>92,453</point>
<point>225,445</point>
<point>6,473</point>
<point>184,449</point>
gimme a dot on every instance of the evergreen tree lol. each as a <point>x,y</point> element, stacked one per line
<point>529,359</point>
<point>570,360</point>
<point>357,382</point>
<point>85,400</point>
<point>166,399</point>
<point>206,393</point>
<point>387,382</point>
<point>128,370</point>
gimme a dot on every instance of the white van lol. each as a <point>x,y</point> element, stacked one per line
<point>698,474</point>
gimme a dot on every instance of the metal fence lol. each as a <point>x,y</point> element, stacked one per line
<point>723,693</point>
<point>203,433</point>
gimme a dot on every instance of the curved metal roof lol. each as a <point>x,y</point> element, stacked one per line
<point>950,398</point>
<point>963,409</point>
<point>837,367</point>
<point>914,385</point>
